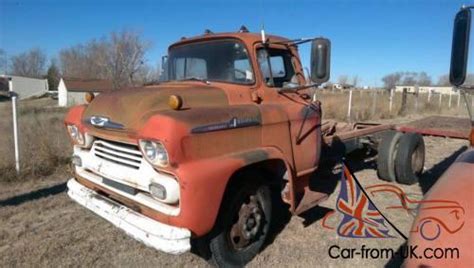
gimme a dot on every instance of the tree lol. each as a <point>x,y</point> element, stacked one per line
<point>409,78</point>
<point>3,61</point>
<point>391,80</point>
<point>30,64</point>
<point>343,79</point>
<point>119,58</point>
<point>126,57</point>
<point>148,74</point>
<point>53,76</point>
<point>443,80</point>
<point>85,61</point>
<point>424,79</point>
<point>355,81</point>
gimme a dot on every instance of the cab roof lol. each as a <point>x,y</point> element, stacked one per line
<point>246,37</point>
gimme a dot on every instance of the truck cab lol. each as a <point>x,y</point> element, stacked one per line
<point>203,152</point>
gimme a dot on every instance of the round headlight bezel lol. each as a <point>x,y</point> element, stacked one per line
<point>154,152</point>
<point>83,140</point>
<point>75,134</point>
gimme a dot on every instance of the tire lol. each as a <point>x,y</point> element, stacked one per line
<point>251,202</point>
<point>410,158</point>
<point>387,150</point>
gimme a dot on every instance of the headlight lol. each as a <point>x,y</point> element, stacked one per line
<point>154,152</point>
<point>75,134</point>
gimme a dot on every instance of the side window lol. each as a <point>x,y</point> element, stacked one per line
<point>278,66</point>
<point>282,69</point>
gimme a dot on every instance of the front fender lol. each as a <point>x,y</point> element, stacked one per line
<point>203,184</point>
<point>74,115</point>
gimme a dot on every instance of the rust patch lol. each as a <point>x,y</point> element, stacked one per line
<point>132,107</point>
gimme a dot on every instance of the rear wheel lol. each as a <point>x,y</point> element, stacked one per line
<point>243,224</point>
<point>387,151</point>
<point>410,158</point>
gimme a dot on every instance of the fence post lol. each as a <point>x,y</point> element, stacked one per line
<point>374,102</point>
<point>349,107</point>
<point>403,107</point>
<point>429,96</point>
<point>440,98</point>
<point>459,98</point>
<point>449,105</point>
<point>417,91</point>
<point>15,126</point>
<point>390,106</point>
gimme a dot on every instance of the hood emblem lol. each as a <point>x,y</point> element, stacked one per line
<point>98,121</point>
<point>104,122</point>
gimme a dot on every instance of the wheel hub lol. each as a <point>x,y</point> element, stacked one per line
<point>248,224</point>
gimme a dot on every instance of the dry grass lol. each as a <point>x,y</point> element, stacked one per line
<point>44,145</point>
<point>29,211</point>
<point>50,230</point>
<point>369,106</point>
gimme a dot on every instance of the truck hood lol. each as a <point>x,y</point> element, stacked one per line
<point>128,109</point>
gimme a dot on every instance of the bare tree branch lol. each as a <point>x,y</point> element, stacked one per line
<point>30,64</point>
<point>118,58</point>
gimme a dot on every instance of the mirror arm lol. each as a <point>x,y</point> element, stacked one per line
<point>296,89</point>
<point>294,42</point>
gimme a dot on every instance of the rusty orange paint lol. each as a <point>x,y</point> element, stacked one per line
<point>456,231</point>
<point>203,163</point>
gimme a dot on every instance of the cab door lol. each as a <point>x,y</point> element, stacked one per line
<point>303,116</point>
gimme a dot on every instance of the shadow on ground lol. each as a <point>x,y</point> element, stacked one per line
<point>41,193</point>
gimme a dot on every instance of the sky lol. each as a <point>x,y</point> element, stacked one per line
<point>369,38</point>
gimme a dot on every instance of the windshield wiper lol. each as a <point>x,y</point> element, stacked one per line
<point>193,78</point>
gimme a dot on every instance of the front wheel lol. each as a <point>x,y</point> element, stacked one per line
<point>243,225</point>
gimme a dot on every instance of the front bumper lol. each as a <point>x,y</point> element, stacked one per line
<point>173,240</point>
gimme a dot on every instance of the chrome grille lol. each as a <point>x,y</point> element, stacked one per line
<point>119,153</point>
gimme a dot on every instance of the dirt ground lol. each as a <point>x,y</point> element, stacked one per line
<point>41,226</point>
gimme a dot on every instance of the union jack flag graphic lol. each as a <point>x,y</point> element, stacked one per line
<point>361,219</point>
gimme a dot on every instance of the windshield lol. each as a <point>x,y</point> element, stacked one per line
<point>223,61</point>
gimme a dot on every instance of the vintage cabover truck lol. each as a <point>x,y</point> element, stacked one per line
<point>203,153</point>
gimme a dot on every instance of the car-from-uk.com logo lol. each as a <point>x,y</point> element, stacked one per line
<point>362,219</point>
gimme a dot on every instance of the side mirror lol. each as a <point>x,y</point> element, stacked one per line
<point>320,60</point>
<point>460,47</point>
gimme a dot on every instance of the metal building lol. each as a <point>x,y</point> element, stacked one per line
<point>25,87</point>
